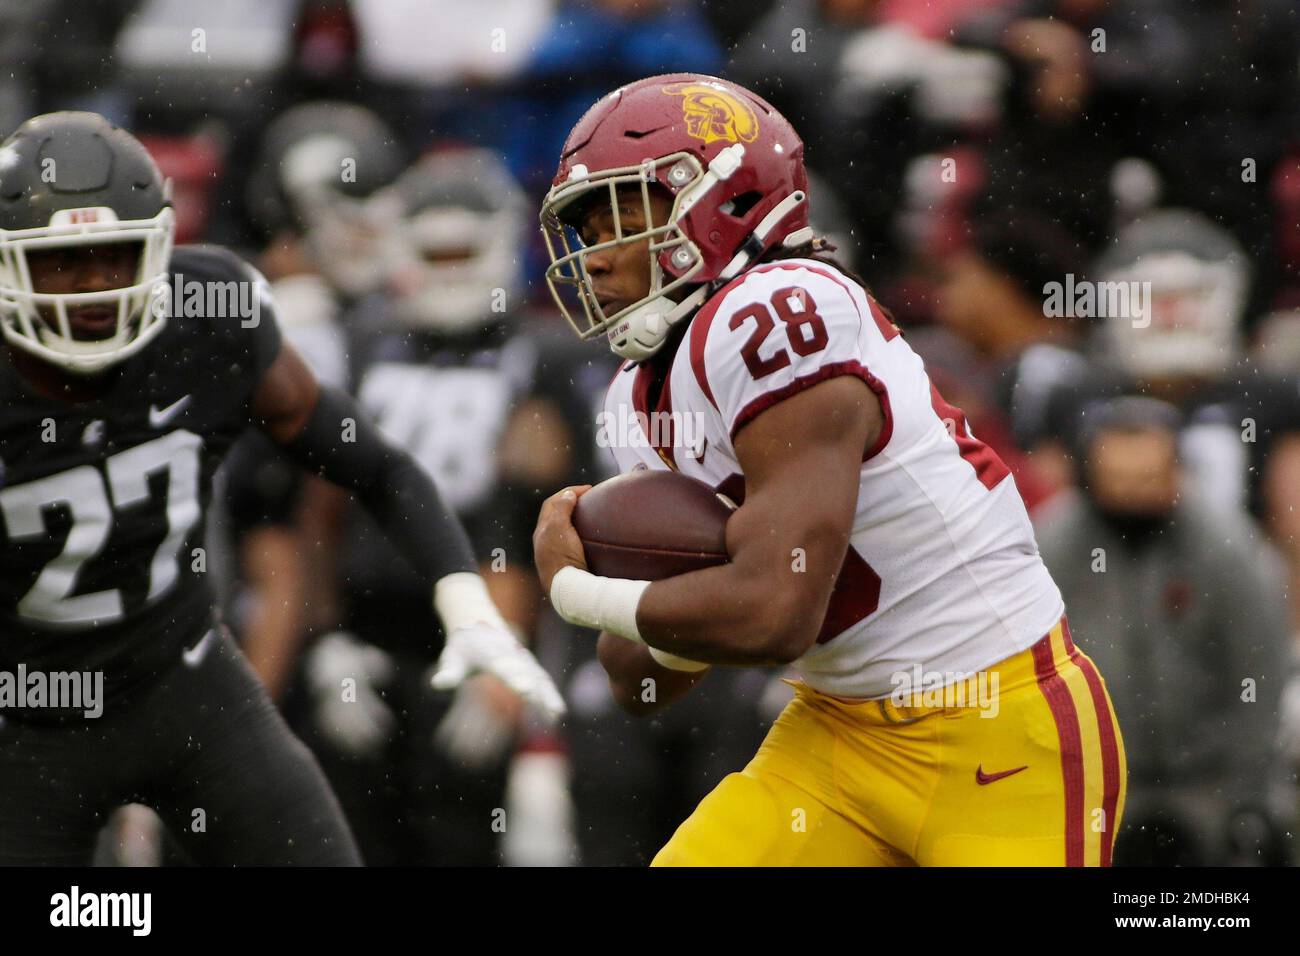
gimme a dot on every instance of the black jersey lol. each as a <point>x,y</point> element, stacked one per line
<point>448,401</point>
<point>102,503</point>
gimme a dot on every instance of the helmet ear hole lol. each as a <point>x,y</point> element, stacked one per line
<point>738,207</point>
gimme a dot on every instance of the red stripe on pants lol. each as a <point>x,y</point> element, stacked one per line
<point>1109,748</point>
<point>1066,717</point>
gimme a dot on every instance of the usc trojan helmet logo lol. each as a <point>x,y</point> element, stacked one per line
<point>712,113</point>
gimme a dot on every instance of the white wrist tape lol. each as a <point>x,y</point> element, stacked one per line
<point>461,599</point>
<point>607,604</point>
<point>673,662</point>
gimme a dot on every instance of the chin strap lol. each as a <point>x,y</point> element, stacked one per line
<point>753,246</point>
<point>658,323</point>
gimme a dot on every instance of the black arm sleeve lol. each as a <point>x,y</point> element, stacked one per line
<point>345,448</point>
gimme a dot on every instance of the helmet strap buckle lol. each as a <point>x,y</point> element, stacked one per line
<point>756,241</point>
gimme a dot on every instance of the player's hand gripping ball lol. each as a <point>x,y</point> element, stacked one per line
<point>645,525</point>
<point>555,543</point>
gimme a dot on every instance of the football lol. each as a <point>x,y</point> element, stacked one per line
<point>649,525</point>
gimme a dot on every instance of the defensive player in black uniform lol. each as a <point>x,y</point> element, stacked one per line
<point>419,773</point>
<point>127,371</point>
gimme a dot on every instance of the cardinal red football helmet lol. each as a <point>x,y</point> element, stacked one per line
<point>734,168</point>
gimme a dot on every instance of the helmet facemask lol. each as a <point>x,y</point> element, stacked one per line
<point>1190,279</point>
<point>638,329</point>
<point>348,237</point>
<point>456,266</point>
<point>1190,327</point>
<point>345,226</point>
<point>459,265</point>
<point>38,322</point>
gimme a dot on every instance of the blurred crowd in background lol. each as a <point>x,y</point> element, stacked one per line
<point>967,154</point>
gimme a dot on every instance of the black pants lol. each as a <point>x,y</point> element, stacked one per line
<point>409,803</point>
<point>202,745</point>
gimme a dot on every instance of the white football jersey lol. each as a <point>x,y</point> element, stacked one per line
<point>942,569</point>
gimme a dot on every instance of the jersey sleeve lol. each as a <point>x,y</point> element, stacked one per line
<point>238,309</point>
<point>264,339</point>
<point>262,486</point>
<point>783,329</point>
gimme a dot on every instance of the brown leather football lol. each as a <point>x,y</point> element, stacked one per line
<point>648,525</point>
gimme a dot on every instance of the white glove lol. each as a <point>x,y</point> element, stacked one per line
<point>493,649</point>
<point>353,716</point>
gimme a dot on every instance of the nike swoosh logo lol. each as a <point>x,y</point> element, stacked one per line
<point>982,778</point>
<point>193,656</point>
<point>161,416</point>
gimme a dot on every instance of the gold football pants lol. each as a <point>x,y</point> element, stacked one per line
<point>1033,777</point>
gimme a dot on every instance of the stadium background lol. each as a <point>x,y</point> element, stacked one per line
<point>966,153</point>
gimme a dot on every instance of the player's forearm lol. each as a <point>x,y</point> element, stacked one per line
<point>728,615</point>
<point>764,606</point>
<point>640,685</point>
<point>758,609</point>
<point>275,628</point>
<point>342,446</point>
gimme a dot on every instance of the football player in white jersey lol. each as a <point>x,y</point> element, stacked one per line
<point>943,715</point>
